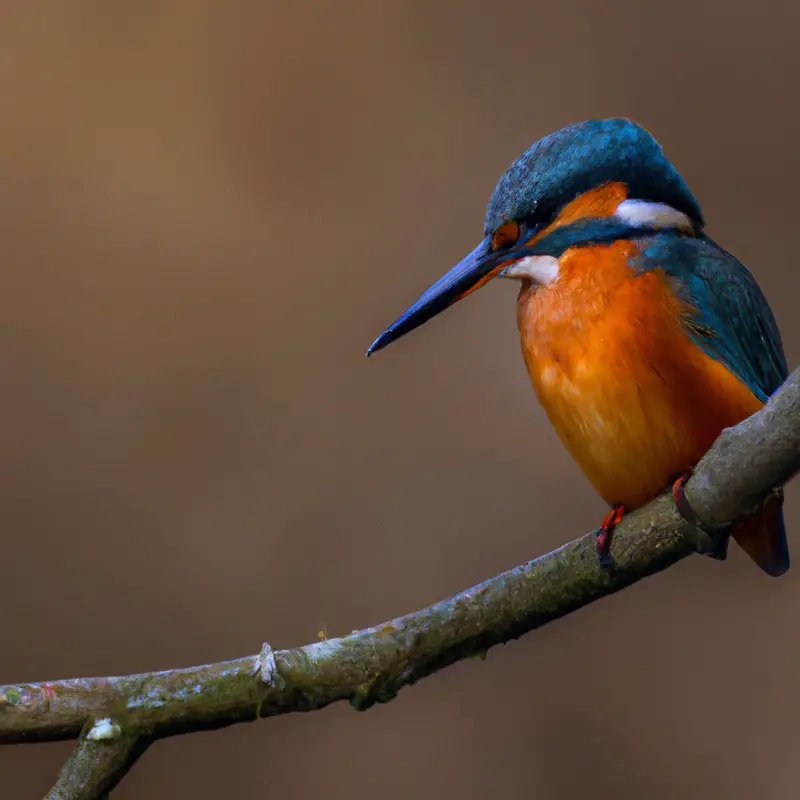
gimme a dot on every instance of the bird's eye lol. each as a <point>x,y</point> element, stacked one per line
<point>506,235</point>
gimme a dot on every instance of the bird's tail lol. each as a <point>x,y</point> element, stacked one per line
<point>763,538</point>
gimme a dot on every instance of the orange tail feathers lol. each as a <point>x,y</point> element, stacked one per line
<point>763,538</point>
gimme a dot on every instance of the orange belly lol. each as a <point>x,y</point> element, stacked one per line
<point>634,400</point>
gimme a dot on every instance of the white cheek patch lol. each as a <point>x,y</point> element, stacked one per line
<point>541,269</point>
<point>644,214</point>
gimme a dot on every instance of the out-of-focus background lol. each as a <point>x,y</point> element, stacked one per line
<point>207,212</point>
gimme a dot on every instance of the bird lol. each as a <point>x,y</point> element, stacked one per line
<point>642,337</point>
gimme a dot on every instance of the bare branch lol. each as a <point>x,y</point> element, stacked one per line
<point>100,760</point>
<point>372,665</point>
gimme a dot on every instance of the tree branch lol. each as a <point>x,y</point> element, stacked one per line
<point>372,665</point>
<point>101,759</point>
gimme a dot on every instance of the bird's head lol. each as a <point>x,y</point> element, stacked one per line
<point>593,181</point>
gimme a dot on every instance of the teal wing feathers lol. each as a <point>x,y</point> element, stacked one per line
<point>733,322</point>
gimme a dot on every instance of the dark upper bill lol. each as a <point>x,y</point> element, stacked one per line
<point>467,276</point>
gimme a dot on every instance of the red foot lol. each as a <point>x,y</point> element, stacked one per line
<point>605,534</point>
<point>718,536</point>
<point>679,495</point>
<point>687,512</point>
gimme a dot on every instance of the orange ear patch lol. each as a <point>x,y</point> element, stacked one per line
<point>600,202</point>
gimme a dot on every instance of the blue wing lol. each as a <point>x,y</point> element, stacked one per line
<point>733,322</point>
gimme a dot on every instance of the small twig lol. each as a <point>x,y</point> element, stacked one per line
<point>100,760</point>
<point>372,665</point>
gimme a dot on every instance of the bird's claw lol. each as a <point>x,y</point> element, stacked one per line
<point>717,537</point>
<point>604,535</point>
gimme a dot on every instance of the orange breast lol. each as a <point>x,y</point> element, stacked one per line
<point>635,401</point>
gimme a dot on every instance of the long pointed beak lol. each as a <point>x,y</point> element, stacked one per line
<point>478,268</point>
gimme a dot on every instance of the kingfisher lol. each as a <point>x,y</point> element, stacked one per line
<point>642,337</point>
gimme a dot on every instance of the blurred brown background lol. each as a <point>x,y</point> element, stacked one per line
<point>207,212</point>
